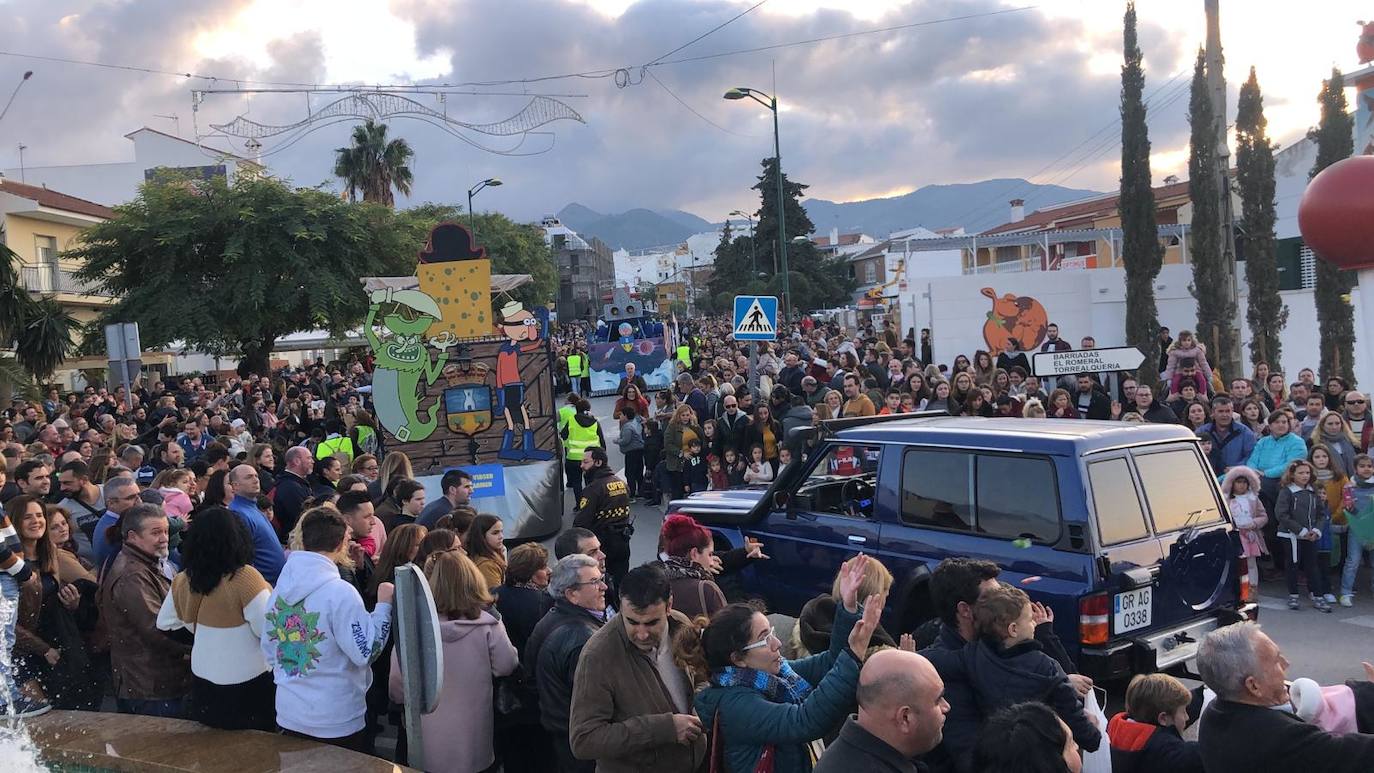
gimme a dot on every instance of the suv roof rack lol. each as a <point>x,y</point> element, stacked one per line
<point>831,426</point>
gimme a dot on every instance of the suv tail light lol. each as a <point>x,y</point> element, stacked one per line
<point>1243,569</point>
<point>1093,618</point>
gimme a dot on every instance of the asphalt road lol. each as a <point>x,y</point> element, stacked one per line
<point>1327,648</point>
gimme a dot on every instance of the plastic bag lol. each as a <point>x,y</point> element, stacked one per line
<point>1361,524</point>
<point>1099,761</point>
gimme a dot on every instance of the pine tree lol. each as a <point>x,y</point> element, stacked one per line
<point>1265,311</point>
<point>816,281</point>
<point>1211,287</point>
<point>1335,317</point>
<point>1140,249</point>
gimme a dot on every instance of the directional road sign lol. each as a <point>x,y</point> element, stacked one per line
<point>756,317</point>
<point>1086,361</point>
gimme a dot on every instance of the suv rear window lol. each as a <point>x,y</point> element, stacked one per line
<point>1177,489</point>
<point>1119,517</point>
<point>1015,496</point>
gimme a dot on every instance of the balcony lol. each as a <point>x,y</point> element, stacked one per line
<point>51,279</point>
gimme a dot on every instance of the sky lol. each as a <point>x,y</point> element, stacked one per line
<point>1024,88</point>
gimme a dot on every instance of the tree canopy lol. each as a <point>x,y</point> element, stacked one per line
<point>1140,250</point>
<point>1211,275</point>
<point>229,269</point>
<point>1265,311</point>
<point>39,330</point>
<point>1335,317</point>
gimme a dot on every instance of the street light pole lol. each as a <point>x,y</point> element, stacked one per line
<point>771,103</point>
<point>753,249</point>
<point>473,191</point>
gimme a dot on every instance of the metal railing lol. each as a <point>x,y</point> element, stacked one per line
<point>52,279</point>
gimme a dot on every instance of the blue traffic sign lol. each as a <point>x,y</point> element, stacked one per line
<point>756,317</point>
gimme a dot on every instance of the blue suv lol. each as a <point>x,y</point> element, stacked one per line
<point>1119,528</point>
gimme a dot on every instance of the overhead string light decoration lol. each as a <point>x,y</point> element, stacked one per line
<point>382,105</point>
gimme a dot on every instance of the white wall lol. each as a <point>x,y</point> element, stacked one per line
<point>1092,302</point>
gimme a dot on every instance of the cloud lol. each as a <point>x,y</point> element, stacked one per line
<point>997,96</point>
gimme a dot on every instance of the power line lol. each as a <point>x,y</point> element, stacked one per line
<point>844,35</point>
<point>707,33</point>
<point>1070,156</point>
<point>693,110</point>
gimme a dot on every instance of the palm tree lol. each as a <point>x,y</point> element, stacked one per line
<point>373,165</point>
<point>45,338</point>
<point>40,331</point>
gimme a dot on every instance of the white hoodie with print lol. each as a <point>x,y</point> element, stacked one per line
<point>320,642</point>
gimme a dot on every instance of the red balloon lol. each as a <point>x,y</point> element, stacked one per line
<point>1336,214</point>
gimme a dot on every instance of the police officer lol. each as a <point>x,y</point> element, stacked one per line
<point>579,434</point>
<point>604,508</point>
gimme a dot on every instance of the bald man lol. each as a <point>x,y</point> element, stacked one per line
<point>901,713</point>
<point>268,556</point>
<point>288,498</point>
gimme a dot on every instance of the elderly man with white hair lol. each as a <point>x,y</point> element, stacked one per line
<point>1251,726</point>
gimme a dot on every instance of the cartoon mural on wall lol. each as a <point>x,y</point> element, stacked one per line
<point>1018,318</point>
<point>458,383</point>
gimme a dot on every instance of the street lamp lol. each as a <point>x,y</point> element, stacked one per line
<point>24,79</point>
<point>753,250</point>
<point>492,182</point>
<point>740,92</point>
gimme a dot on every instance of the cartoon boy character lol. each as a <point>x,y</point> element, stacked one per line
<point>522,335</point>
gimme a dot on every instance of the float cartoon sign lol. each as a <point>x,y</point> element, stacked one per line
<point>458,383</point>
<point>1018,318</point>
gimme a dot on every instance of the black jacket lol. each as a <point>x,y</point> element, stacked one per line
<point>1003,676</point>
<point>1257,739</point>
<point>964,720</point>
<point>1099,405</point>
<point>605,500</point>
<point>1008,361</point>
<point>288,499</point>
<point>733,435</point>
<point>1158,413</point>
<point>1139,747</point>
<point>521,610</point>
<point>551,655</point>
<point>856,749</point>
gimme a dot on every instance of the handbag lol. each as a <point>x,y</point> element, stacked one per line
<point>717,752</point>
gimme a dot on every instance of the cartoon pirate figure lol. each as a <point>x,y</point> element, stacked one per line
<point>403,361</point>
<point>522,335</point>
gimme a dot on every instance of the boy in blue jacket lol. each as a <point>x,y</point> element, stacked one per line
<point>1148,736</point>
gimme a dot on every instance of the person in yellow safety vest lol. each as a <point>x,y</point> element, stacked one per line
<point>566,413</point>
<point>684,355</point>
<point>335,443</point>
<point>577,367</point>
<point>582,432</point>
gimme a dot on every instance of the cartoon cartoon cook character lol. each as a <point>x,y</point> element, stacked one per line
<point>402,360</point>
<point>522,335</point>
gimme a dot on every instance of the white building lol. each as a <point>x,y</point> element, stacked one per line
<point>117,182</point>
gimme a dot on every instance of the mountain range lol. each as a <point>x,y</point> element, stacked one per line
<point>974,206</point>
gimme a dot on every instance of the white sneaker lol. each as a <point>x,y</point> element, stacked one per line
<point>1346,601</point>
<point>1330,599</point>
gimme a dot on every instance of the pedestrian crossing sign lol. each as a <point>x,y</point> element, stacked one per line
<point>756,318</point>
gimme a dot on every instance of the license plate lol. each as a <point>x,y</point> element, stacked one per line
<point>1132,609</point>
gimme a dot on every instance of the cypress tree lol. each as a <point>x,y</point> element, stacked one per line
<point>1265,311</point>
<point>1211,288</point>
<point>1140,249</point>
<point>1335,318</point>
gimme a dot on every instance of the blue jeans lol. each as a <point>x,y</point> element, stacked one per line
<point>9,590</point>
<point>1354,552</point>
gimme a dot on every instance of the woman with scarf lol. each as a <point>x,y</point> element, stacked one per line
<point>764,712</point>
<point>1334,433</point>
<point>688,548</point>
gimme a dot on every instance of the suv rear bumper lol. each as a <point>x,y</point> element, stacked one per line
<point>1171,649</point>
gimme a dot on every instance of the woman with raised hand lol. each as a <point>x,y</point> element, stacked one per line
<point>765,711</point>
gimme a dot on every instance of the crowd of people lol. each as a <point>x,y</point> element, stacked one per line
<point>225,552</point>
